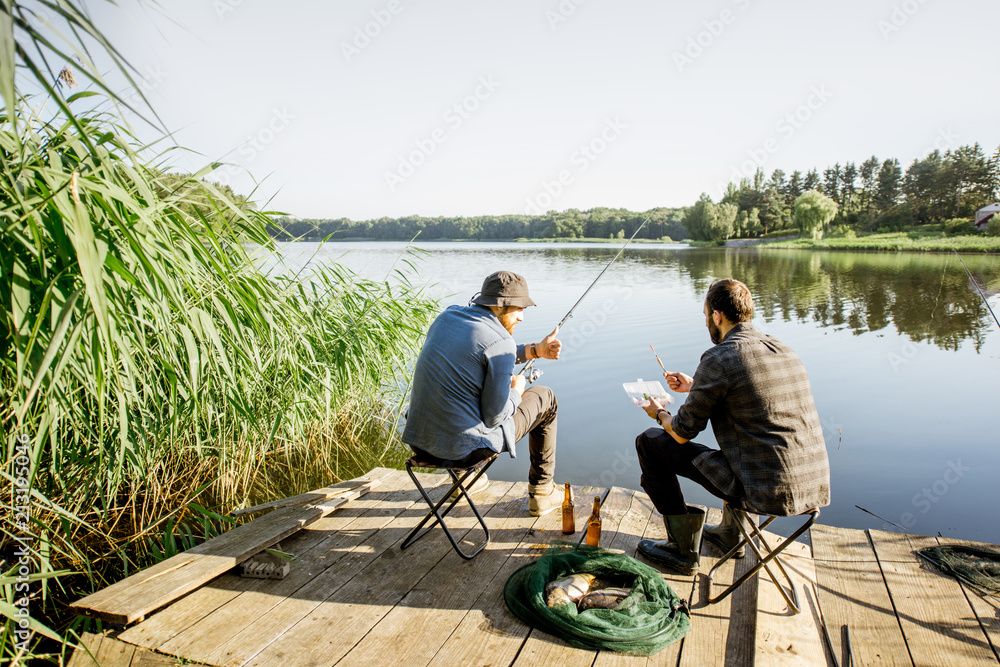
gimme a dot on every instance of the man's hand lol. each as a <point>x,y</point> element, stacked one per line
<point>652,406</point>
<point>550,346</point>
<point>678,381</point>
<point>517,383</point>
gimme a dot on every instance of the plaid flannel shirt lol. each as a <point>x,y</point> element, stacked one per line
<point>755,391</point>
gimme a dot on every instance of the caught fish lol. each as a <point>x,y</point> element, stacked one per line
<point>605,598</point>
<point>568,589</point>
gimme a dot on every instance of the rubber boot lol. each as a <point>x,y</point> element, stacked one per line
<point>727,534</point>
<point>680,552</point>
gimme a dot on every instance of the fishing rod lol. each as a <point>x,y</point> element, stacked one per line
<point>978,289</point>
<point>534,373</point>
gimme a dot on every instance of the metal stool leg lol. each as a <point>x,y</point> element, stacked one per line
<point>762,560</point>
<point>458,482</point>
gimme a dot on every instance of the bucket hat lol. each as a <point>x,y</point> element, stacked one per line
<point>504,288</point>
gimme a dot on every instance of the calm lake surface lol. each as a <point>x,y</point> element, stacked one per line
<point>902,353</point>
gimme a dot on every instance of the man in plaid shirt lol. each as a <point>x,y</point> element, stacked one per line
<point>772,457</point>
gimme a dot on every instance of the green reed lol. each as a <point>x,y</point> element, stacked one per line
<point>148,360</point>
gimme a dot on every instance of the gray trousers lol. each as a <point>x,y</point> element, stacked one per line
<point>536,417</point>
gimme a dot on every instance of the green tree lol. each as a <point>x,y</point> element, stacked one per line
<point>813,212</point>
<point>721,224</point>
<point>868,173</point>
<point>697,216</point>
<point>890,181</point>
<point>811,181</point>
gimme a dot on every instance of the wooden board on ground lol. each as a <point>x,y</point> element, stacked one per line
<point>102,651</point>
<point>198,623</point>
<point>940,627</point>
<point>270,610</point>
<point>427,615</point>
<point>144,592</point>
<point>730,624</point>
<point>316,496</point>
<point>361,603</point>
<point>783,637</point>
<point>852,595</point>
<point>490,633</point>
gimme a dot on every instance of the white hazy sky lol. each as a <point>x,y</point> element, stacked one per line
<point>451,107</point>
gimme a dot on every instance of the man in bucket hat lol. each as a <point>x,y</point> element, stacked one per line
<point>466,404</point>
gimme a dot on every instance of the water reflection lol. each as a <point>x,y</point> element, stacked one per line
<point>926,297</point>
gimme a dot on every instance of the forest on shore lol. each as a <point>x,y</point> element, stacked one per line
<point>875,195</point>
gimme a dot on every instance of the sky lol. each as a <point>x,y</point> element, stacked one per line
<point>371,108</point>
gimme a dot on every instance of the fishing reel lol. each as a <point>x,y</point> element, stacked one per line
<point>532,375</point>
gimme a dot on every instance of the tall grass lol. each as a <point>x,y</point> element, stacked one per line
<point>148,362</point>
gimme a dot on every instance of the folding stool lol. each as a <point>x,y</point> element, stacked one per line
<point>740,514</point>
<point>459,475</point>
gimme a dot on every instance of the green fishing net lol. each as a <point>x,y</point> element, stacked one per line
<point>974,566</point>
<point>651,618</point>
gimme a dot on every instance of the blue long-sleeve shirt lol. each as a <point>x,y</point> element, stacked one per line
<point>461,398</point>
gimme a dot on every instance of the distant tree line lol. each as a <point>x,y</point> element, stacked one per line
<point>874,195</point>
<point>870,196</point>
<point>596,223</point>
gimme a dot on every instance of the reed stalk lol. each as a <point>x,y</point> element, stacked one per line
<point>152,375</point>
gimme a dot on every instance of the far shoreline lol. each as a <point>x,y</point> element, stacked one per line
<point>887,243</point>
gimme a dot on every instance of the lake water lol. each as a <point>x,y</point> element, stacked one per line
<point>900,348</point>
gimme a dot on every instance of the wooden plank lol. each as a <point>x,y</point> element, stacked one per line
<point>784,638</point>
<point>489,633</point>
<point>113,653</point>
<point>198,612</point>
<point>362,602</point>
<point>425,618</point>
<point>137,596</point>
<point>226,623</point>
<point>986,608</point>
<point>722,633</point>
<point>316,496</point>
<point>940,627</point>
<point>85,655</point>
<point>852,594</point>
<point>338,551</point>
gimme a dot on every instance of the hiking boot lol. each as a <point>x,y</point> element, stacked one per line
<point>479,486</point>
<point>542,499</point>
<point>727,534</point>
<point>680,551</point>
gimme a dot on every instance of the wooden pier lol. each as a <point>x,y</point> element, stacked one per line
<point>354,598</point>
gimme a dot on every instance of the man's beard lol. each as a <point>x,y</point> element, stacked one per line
<point>714,332</point>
